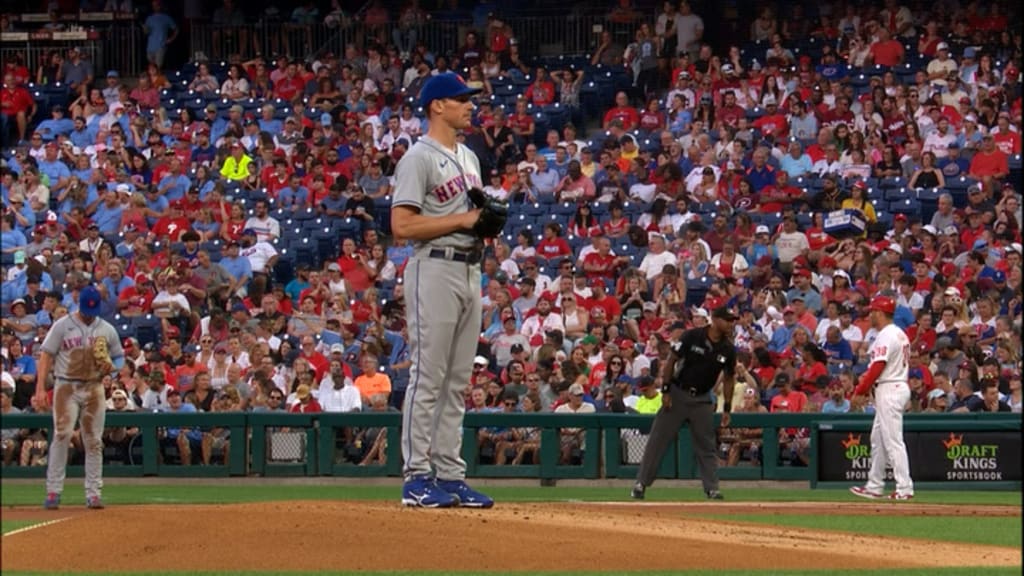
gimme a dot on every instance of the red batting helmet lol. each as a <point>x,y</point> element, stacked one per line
<point>883,304</point>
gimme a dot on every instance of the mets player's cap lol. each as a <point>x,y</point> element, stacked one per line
<point>883,304</point>
<point>89,301</point>
<point>447,85</point>
<point>725,313</point>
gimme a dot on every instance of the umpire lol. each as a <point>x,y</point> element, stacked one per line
<point>688,376</point>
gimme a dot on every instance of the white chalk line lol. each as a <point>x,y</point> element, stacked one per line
<point>35,526</point>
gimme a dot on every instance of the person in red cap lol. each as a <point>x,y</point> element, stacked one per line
<point>887,373</point>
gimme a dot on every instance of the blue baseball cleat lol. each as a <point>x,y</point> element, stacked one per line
<point>52,501</point>
<point>466,496</point>
<point>423,492</point>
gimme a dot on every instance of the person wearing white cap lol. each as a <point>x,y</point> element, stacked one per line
<point>940,68</point>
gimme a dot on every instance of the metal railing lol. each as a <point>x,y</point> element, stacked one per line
<point>571,34</point>
<point>108,40</point>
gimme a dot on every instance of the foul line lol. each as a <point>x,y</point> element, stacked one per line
<point>34,526</point>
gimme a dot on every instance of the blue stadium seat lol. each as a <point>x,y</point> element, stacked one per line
<point>908,206</point>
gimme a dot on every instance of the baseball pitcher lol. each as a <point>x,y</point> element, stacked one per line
<point>439,207</point>
<point>890,357</point>
<point>80,349</point>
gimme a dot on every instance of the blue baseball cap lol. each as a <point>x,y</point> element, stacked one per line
<point>447,85</point>
<point>326,120</point>
<point>915,373</point>
<point>999,277</point>
<point>89,301</point>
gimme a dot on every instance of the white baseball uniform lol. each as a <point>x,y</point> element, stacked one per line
<point>892,393</point>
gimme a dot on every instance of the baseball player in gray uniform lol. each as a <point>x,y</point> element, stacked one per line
<point>80,348</point>
<point>432,208</point>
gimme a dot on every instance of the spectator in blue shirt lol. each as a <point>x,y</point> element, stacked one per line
<point>56,125</point>
<point>81,135</point>
<point>11,239</point>
<point>294,195</point>
<point>174,185</point>
<point>237,266</point>
<point>108,213</point>
<point>334,204</point>
<point>158,204</point>
<point>836,347</point>
<point>56,170</point>
<point>161,30</point>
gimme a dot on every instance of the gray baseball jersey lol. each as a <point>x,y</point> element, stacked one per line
<point>69,334</point>
<point>435,180</point>
<point>442,311</point>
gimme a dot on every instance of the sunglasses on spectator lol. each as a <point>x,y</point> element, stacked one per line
<point>510,404</point>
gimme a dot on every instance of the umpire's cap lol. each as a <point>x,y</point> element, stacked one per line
<point>447,85</point>
<point>89,301</point>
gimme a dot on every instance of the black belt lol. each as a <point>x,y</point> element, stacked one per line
<point>468,256</point>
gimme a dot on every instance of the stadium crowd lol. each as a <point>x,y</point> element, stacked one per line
<point>234,217</point>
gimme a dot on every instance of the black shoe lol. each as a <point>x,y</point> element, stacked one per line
<point>714,495</point>
<point>638,491</point>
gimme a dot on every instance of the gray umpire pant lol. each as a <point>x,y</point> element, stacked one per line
<point>698,412</point>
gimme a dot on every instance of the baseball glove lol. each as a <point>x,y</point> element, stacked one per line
<point>493,214</point>
<point>101,356</point>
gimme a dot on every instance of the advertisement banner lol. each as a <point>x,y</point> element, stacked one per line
<point>935,456</point>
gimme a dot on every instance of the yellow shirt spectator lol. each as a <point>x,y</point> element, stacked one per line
<point>236,166</point>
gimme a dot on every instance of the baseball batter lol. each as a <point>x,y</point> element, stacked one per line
<point>433,208</point>
<point>890,355</point>
<point>80,348</point>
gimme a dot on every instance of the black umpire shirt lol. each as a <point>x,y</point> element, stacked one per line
<point>702,360</point>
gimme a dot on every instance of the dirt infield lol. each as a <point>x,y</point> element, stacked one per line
<point>347,535</point>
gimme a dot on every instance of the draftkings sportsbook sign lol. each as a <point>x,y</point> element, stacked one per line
<point>983,456</point>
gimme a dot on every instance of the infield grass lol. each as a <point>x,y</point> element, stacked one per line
<point>994,531</point>
<point>969,571</point>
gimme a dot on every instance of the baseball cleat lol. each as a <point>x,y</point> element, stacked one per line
<point>423,492</point>
<point>52,501</point>
<point>94,503</point>
<point>898,496</point>
<point>864,493</point>
<point>638,491</point>
<point>714,495</point>
<point>464,495</point>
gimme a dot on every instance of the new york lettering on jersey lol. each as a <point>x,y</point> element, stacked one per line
<point>454,186</point>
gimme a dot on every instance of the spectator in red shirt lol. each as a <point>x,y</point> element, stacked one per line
<point>989,163</point>
<point>886,51</point>
<point>553,245</point>
<point>542,91</point>
<point>623,112</point>
<point>16,105</point>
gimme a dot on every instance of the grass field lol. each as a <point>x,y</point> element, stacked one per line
<point>1000,531</point>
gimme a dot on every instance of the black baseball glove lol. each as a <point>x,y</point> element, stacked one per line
<point>493,214</point>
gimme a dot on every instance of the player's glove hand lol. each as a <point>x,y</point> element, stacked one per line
<point>493,214</point>
<point>101,354</point>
